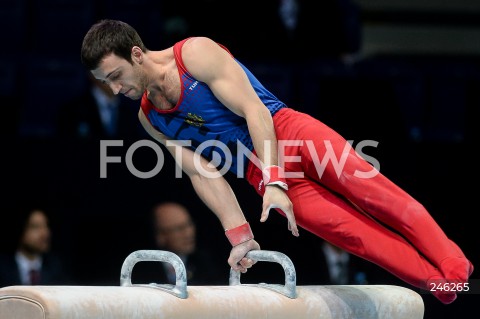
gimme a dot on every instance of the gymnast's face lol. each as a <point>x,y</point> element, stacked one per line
<point>121,76</point>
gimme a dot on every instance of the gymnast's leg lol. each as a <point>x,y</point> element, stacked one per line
<point>376,196</point>
<point>330,217</point>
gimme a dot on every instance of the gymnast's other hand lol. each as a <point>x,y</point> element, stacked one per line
<point>237,259</point>
<point>276,197</point>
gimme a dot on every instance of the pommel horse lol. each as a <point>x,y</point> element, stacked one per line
<point>237,300</point>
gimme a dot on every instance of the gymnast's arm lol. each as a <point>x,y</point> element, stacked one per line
<point>215,192</point>
<point>210,63</point>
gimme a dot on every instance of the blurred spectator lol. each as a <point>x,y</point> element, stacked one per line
<point>99,114</point>
<point>175,231</point>
<point>31,261</point>
<point>342,268</point>
<point>332,265</point>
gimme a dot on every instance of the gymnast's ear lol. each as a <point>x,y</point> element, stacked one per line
<point>137,54</point>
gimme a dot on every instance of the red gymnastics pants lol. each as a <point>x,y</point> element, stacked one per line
<point>350,212</point>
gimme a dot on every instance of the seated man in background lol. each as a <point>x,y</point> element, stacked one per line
<point>98,114</point>
<point>327,264</point>
<point>175,231</point>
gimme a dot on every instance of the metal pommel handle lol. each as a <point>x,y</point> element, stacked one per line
<point>180,287</point>
<point>289,289</point>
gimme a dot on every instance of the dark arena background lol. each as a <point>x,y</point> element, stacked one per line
<point>403,73</point>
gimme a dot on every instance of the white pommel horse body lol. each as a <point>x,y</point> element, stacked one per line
<point>237,300</point>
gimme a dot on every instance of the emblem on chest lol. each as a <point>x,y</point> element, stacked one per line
<point>195,120</point>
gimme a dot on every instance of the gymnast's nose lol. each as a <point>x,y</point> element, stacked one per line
<point>116,87</point>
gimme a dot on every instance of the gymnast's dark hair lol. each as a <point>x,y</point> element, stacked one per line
<point>109,36</point>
